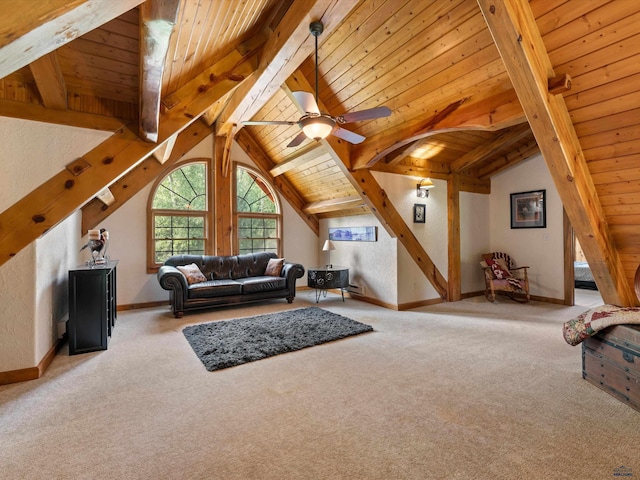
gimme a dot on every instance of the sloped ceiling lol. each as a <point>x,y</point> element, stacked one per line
<point>474,87</point>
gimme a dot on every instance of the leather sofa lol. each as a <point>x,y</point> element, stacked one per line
<point>226,280</point>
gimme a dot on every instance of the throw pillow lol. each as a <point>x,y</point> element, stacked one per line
<point>193,273</point>
<point>274,267</point>
<point>499,272</point>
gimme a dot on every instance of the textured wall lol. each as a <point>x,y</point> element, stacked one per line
<point>540,248</point>
<point>32,286</point>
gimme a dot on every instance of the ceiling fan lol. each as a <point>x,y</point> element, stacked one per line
<point>317,125</point>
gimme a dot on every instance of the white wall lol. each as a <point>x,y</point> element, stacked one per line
<point>371,264</point>
<point>33,283</point>
<point>474,239</point>
<point>539,248</point>
<point>33,152</point>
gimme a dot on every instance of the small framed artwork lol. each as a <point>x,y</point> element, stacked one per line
<point>353,234</point>
<point>528,209</point>
<point>419,210</point>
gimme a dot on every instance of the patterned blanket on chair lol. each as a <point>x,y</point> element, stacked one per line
<point>592,321</point>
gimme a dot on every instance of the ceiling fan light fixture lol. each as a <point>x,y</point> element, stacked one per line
<point>317,127</point>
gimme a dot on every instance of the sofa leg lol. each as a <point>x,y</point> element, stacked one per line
<point>178,314</point>
<point>290,299</point>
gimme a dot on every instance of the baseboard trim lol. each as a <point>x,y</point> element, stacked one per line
<point>31,373</point>
<point>420,303</point>
<point>136,306</point>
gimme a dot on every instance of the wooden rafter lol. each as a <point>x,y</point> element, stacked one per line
<point>39,113</point>
<point>163,152</point>
<point>157,18</point>
<point>29,33</point>
<point>495,112</point>
<point>486,150</point>
<point>520,44</point>
<point>334,205</point>
<point>298,159</point>
<point>50,82</point>
<point>123,189</point>
<point>288,46</point>
<point>58,197</point>
<point>282,185</point>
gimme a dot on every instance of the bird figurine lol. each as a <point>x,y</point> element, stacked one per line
<point>97,241</point>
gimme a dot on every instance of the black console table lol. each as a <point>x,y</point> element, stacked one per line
<point>92,307</point>
<point>327,277</point>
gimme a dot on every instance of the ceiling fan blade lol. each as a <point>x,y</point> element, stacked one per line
<point>301,137</point>
<point>268,122</point>
<point>307,101</point>
<point>369,114</point>
<point>350,137</point>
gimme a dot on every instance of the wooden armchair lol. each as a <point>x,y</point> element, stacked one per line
<point>502,275</point>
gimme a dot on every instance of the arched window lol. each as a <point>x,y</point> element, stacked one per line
<point>178,214</point>
<point>258,217</point>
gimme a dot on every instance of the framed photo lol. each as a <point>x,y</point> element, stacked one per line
<point>528,209</point>
<point>353,234</point>
<point>419,210</point>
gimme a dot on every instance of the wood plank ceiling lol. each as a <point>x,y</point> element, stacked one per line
<point>434,63</point>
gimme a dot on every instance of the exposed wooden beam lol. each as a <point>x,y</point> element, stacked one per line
<point>494,112</point>
<point>400,154</point>
<point>297,159</point>
<point>515,156</point>
<point>163,152</point>
<point>485,150</point>
<point>40,27</point>
<point>282,185</point>
<point>453,226</point>
<point>226,152</point>
<point>50,82</point>
<point>374,196</point>
<point>334,205</point>
<point>222,191</point>
<point>288,46</point>
<point>157,18</point>
<point>58,197</point>
<point>123,189</point>
<point>520,44</point>
<point>39,113</point>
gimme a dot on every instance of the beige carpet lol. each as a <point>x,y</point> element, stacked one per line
<point>465,390</point>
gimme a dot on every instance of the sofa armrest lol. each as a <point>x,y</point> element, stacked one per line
<point>292,271</point>
<point>170,278</point>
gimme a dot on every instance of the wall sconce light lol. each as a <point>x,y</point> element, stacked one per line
<point>422,189</point>
<point>327,247</point>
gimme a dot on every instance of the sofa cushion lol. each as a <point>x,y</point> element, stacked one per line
<point>192,272</point>
<point>262,284</point>
<point>274,267</point>
<point>215,288</point>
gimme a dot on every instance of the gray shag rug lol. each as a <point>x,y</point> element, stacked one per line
<point>229,343</point>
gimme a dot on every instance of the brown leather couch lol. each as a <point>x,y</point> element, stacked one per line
<point>229,280</point>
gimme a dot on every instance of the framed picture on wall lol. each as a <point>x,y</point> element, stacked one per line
<point>419,213</point>
<point>528,209</point>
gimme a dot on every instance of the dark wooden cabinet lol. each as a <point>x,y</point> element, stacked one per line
<point>92,307</point>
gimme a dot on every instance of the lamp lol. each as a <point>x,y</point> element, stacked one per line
<point>422,189</point>
<point>327,247</point>
<point>317,126</point>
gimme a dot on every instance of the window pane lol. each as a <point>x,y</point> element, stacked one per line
<point>253,194</point>
<point>183,189</point>
<point>178,235</point>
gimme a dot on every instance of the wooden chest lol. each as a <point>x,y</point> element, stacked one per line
<point>611,361</point>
